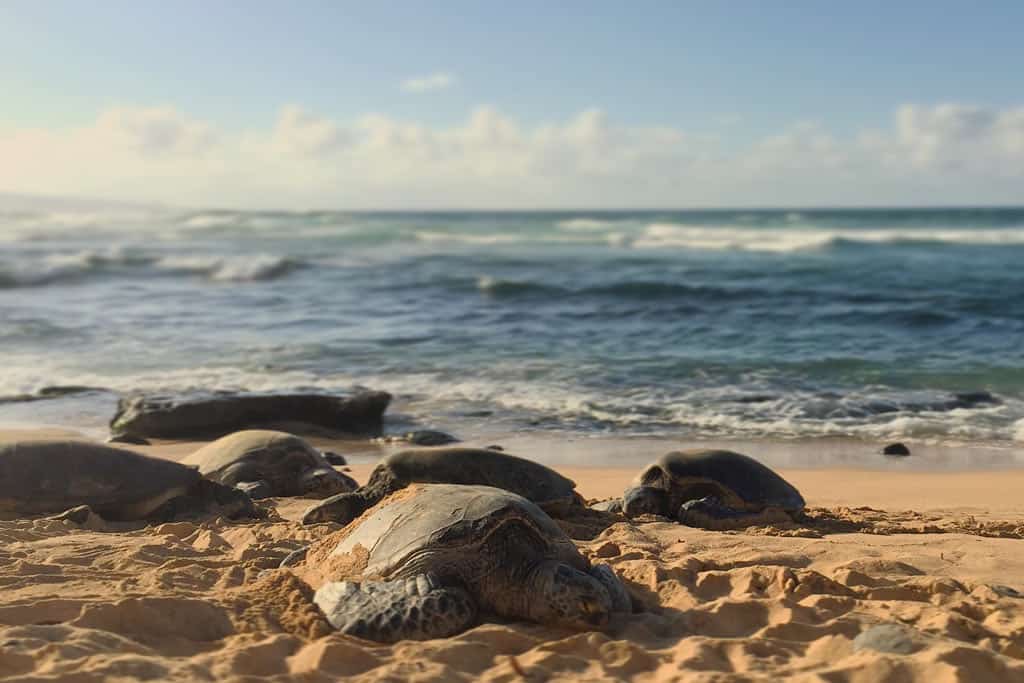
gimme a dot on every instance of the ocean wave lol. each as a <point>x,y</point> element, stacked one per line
<point>285,221</point>
<point>504,238</point>
<point>249,268</point>
<point>589,224</point>
<point>210,220</point>
<point>496,287</point>
<point>644,290</point>
<point>79,266</point>
<point>70,267</point>
<point>673,235</point>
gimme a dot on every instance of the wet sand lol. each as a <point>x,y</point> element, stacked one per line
<point>939,553</point>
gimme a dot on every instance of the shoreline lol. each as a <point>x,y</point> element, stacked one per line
<point>567,449</point>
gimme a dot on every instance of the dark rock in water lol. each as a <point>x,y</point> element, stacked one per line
<point>429,437</point>
<point>335,458</point>
<point>893,639</point>
<point>215,415</point>
<point>897,449</point>
<point>754,398</point>
<point>969,399</point>
<point>128,438</point>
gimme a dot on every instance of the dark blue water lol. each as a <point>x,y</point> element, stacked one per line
<point>867,323</point>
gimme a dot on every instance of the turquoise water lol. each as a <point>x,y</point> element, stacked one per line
<point>867,323</point>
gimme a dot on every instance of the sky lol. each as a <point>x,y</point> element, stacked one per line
<point>406,105</point>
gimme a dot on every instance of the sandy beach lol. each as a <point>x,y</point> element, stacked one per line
<point>938,554</point>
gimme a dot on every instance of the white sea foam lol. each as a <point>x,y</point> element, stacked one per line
<point>587,224</point>
<point>248,268</point>
<point>27,271</point>
<point>214,220</point>
<point>1018,430</point>
<point>504,238</point>
<point>672,235</point>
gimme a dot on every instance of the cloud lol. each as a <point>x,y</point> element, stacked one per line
<point>442,80</point>
<point>300,132</point>
<point>155,130</point>
<point>952,136</point>
<point>946,153</point>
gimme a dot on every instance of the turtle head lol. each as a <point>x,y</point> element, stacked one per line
<point>228,501</point>
<point>322,482</point>
<point>567,597</point>
<point>206,497</point>
<point>645,500</point>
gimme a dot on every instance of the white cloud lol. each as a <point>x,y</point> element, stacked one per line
<point>948,153</point>
<point>297,131</point>
<point>155,130</point>
<point>955,136</point>
<point>441,80</point>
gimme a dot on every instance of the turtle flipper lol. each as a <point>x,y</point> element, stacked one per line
<point>294,557</point>
<point>419,608</point>
<point>613,505</point>
<point>341,508</point>
<point>621,602</point>
<point>711,513</point>
<point>79,514</point>
<point>256,489</point>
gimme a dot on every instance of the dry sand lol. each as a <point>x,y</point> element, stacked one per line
<point>940,555</point>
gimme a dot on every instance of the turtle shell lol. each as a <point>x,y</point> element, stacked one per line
<point>737,480</point>
<point>445,529</point>
<point>263,447</point>
<point>479,466</point>
<point>52,476</point>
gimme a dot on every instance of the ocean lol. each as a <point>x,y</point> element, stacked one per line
<point>897,324</point>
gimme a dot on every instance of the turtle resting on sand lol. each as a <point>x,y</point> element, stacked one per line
<point>430,561</point>
<point>540,484</point>
<point>712,489</point>
<point>38,477</point>
<point>265,463</point>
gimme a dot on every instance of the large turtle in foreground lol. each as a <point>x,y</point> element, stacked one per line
<point>433,559</point>
<point>542,485</point>
<point>266,463</point>
<point>39,477</point>
<point>713,489</point>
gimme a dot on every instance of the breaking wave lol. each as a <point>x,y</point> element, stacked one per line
<point>80,266</point>
<point>669,235</point>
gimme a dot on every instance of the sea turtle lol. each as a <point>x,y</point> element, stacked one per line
<point>712,489</point>
<point>545,487</point>
<point>429,560</point>
<point>265,463</point>
<point>38,477</point>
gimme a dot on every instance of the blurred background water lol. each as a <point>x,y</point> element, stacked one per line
<point>873,324</point>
